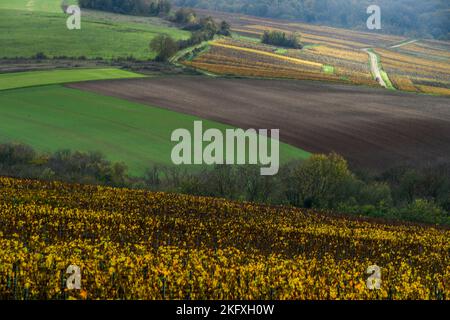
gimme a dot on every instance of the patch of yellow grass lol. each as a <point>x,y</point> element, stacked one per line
<point>413,62</point>
<point>434,90</point>
<point>347,54</point>
<point>403,83</point>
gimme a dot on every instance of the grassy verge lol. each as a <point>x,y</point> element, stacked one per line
<point>188,53</point>
<point>383,73</point>
<point>328,69</point>
<point>386,79</point>
<point>281,51</point>
<point>241,37</point>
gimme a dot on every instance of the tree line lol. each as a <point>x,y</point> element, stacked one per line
<point>131,7</point>
<point>412,18</point>
<point>322,182</point>
<point>202,29</point>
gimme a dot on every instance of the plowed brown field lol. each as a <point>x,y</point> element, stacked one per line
<point>372,128</point>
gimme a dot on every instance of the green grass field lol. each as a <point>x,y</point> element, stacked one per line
<point>281,51</point>
<point>42,28</point>
<point>38,78</point>
<point>241,37</point>
<point>51,118</point>
<point>35,5</point>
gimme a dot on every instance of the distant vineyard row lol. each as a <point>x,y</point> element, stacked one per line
<point>422,67</point>
<point>235,57</point>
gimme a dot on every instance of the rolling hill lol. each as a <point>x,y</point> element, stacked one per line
<point>133,244</point>
<point>41,28</point>
<point>51,118</point>
<point>415,65</point>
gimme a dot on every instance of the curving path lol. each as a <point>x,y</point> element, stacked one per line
<point>375,67</point>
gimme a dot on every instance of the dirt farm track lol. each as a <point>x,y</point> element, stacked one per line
<point>372,128</point>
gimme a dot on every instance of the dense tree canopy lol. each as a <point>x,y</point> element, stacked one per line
<point>135,7</point>
<point>203,29</point>
<point>430,18</point>
<point>165,47</point>
<point>281,39</point>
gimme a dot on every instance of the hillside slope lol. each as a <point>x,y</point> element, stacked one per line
<point>421,66</point>
<point>52,118</point>
<point>408,17</point>
<point>141,245</point>
<point>41,28</point>
<point>372,128</point>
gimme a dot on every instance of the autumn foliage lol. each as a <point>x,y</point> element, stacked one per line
<point>132,244</point>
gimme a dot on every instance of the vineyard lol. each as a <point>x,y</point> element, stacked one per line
<point>423,50</point>
<point>233,57</point>
<point>132,244</point>
<point>254,26</point>
<point>418,69</point>
<point>418,66</point>
<point>244,58</point>
<point>350,65</point>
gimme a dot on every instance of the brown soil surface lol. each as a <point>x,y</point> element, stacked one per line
<point>372,128</point>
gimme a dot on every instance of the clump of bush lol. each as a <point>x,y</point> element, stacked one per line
<point>281,39</point>
<point>21,161</point>
<point>422,210</point>
<point>203,29</point>
<point>40,56</point>
<point>165,47</point>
